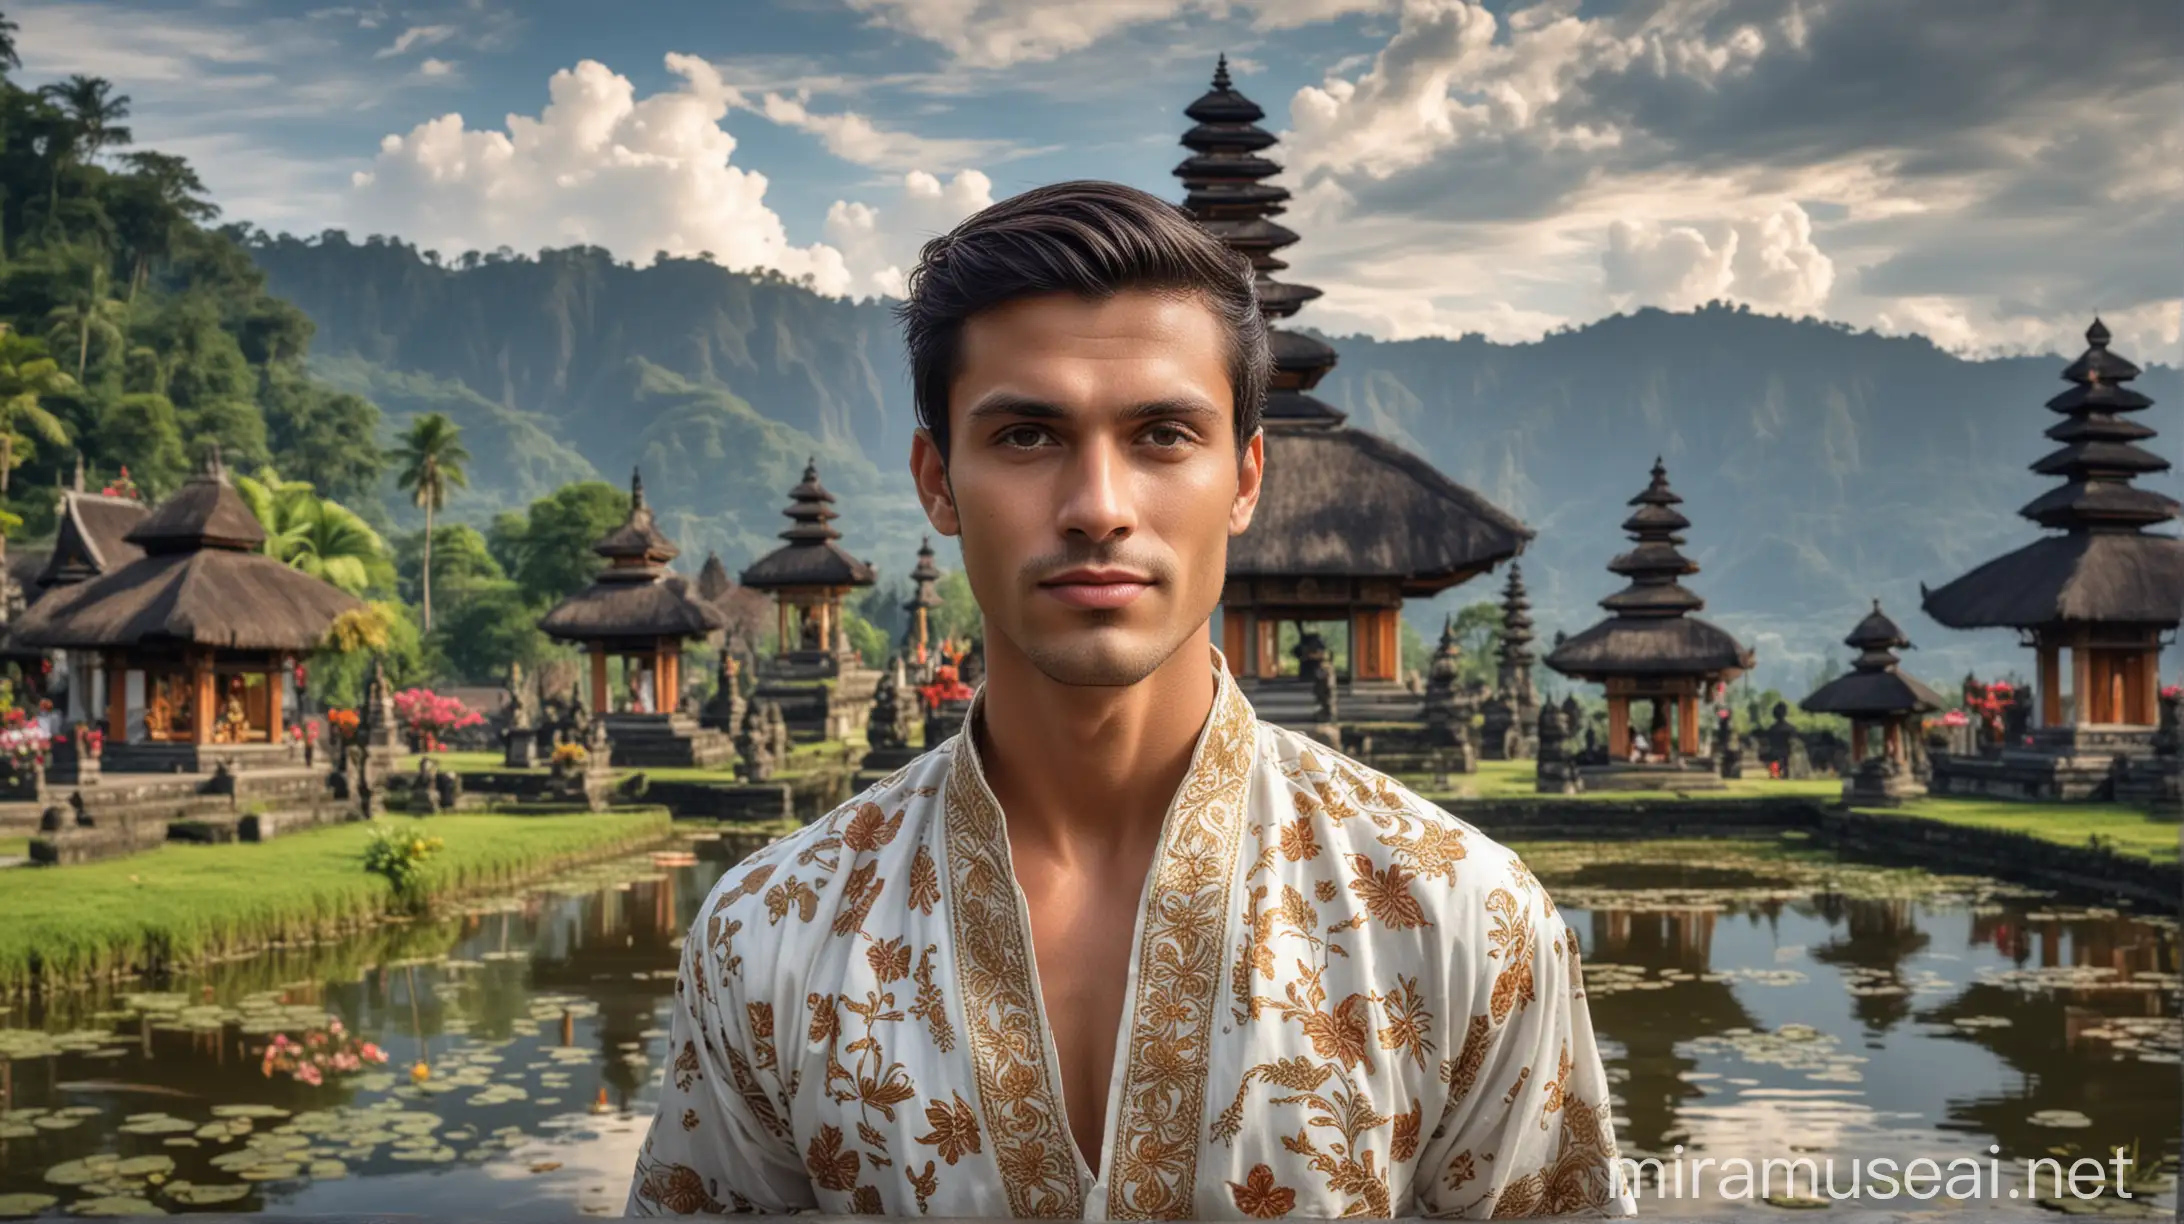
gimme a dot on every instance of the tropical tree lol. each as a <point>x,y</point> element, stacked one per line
<point>322,538</point>
<point>87,311</point>
<point>153,206</point>
<point>9,59</point>
<point>432,457</point>
<point>94,109</point>
<point>27,375</point>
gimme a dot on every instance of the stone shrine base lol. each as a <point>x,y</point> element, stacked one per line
<point>665,740</point>
<point>1874,788</point>
<point>2060,764</point>
<point>1624,776</point>
<point>170,758</point>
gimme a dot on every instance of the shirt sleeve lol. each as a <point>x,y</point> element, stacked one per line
<point>1526,1129</point>
<point>721,1142</point>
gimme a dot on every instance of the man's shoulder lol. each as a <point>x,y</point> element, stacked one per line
<point>801,873</point>
<point>1361,812</point>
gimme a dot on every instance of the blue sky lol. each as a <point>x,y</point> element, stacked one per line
<point>1987,172</point>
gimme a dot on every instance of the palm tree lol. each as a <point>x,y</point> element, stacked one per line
<point>88,311</point>
<point>152,205</point>
<point>26,376</point>
<point>322,538</point>
<point>97,111</point>
<point>432,457</point>
<point>8,57</point>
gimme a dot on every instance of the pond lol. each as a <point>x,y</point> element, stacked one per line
<point>1754,999</point>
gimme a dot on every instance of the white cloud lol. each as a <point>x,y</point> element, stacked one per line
<point>855,138</point>
<point>882,245</point>
<point>414,37</point>
<point>597,166</point>
<point>998,33</point>
<point>430,67</point>
<point>637,175</point>
<point>1767,260</point>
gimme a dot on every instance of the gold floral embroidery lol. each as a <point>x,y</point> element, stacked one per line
<point>830,1167</point>
<point>924,882</point>
<point>1582,1177</point>
<point>954,1129</point>
<point>1512,944</point>
<point>789,894</point>
<point>1387,895</point>
<point>1297,842</point>
<point>1407,1125</point>
<point>1410,1023</point>
<point>679,1190</point>
<point>686,1067</point>
<point>1031,1139</point>
<point>925,1185</point>
<point>1461,1073</point>
<point>931,1006</point>
<point>690,1119</point>
<point>871,828</point>
<point>890,959</point>
<point>1260,1198</point>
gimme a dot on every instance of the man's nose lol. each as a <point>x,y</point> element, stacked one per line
<point>1096,501</point>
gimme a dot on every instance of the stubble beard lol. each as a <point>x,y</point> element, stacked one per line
<point>1103,655</point>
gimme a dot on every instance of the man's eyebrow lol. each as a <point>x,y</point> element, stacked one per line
<point>1006,404</point>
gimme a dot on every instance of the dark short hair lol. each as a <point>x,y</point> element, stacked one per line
<point>1089,238</point>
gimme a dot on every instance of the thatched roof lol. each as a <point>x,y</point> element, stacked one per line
<point>811,558</point>
<point>2104,568</point>
<point>92,537</point>
<point>714,584</point>
<point>1346,503</point>
<point>637,539</point>
<point>630,604</point>
<point>200,582</point>
<point>1651,631</point>
<point>2117,578</point>
<point>1875,686</point>
<point>1650,646</point>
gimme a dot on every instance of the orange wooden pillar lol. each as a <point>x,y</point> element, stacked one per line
<point>1687,707</point>
<point>599,678</point>
<point>273,706</point>
<point>1894,743</point>
<point>1235,640</point>
<point>1618,726</point>
<point>1266,634</point>
<point>2081,683</point>
<point>117,699</point>
<point>205,703</point>
<point>1857,740</point>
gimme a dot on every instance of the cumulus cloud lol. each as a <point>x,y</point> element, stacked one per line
<point>1902,168</point>
<point>885,252</point>
<point>1768,260</point>
<point>597,166</point>
<point>855,138</point>
<point>998,33</point>
<point>601,166</point>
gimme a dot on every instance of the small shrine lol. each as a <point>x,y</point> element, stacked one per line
<point>1651,651</point>
<point>640,612</point>
<point>815,676</point>
<point>1512,714</point>
<point>197,637</point>
<point>1877,696</point>
<point>2101,588</point>
<point>1349,524</point>
<point>91,539</point>
<point>917,633</point>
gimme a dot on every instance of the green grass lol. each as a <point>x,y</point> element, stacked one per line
<point>1518,780</point>
<point>2129,830</point>
<point>180,904</point>
<point>803,758</point>
<point>14,847</point>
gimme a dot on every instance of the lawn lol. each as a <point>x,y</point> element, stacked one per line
<point>2130,830</point>
<point>802,758</point>
<point>183,903</point>
<point>14,847</point>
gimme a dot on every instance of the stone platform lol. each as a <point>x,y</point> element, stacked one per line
<point>1697,775</point>
<point>2059,764</point>
<point>1288,701</point>
<point>167,758</point>
<point>665,740</point>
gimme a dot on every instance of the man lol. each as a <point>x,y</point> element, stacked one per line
<point>1120,949</point>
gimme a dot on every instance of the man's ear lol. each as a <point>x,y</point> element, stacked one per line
<point>930,470</point>
<point>1250,469</point>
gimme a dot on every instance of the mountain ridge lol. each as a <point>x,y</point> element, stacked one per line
<point>1821,466</point>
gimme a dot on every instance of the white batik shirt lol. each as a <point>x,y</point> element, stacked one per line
<point>1343,1002</point>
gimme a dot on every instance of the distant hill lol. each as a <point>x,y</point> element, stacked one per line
<point>1820,467</point>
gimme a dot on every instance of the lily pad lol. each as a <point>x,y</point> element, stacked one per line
<point>191,1195</point>
<point>248,1111</point>
<point>156,1124</point>
<point>2066,1119</point>
<point>82,1172</point>
<point>145,1166</point>
<point>279,1171</point>
<point>117,1205</point>
<point>327,1170</point>
<point>15,1206</point>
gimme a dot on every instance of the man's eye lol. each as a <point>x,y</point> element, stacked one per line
<point>1169,436</point>
<point>1023,437</point>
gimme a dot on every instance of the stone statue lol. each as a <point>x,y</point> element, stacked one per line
<point>1556,773</point>
<point>755,746</point>
<point>777,729</point>
<point>1323,690</point>
<point>2017,718</point>
<point>884,728</point>
<point>1779,736</point>
<point>1797,765</point>
<point>425,794</point>
<point>724,711</point>
<point>1728,753</point>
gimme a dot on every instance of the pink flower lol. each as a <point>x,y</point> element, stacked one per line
<point>371,1053</point>
<point>310,1075</point>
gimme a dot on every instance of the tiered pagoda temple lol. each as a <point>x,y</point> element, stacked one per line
<point>639,610</point>
<point>2102,588</point>
<point>917,633</point>
<point>1349,524</point>
<point>1650,648</point>
<point>197,636</point>
<point>1877,695</point>
<point>1515,704</point>
<point>819,682</point>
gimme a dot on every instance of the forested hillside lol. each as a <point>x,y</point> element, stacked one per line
<point>1821,467</point>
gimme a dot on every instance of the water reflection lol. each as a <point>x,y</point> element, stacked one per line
<point>1751,1000</point>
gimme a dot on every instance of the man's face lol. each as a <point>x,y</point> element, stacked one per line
<point>1093,476</point>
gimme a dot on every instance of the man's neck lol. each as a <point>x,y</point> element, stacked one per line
<point>1086,774</point>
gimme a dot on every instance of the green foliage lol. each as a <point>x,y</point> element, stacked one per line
<point>871,641</point>
<point>957,616</point>
<point>431,455</point>
<point>487,625</point>
<point>548,550</point>
<point>1479,635</point>
<point>162,329</point>
<point>399,856</point>
<point>339,677</point>
<point>320,537</point>
<point>461,559</point>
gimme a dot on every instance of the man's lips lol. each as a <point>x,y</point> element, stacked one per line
<point>1097,588</point>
